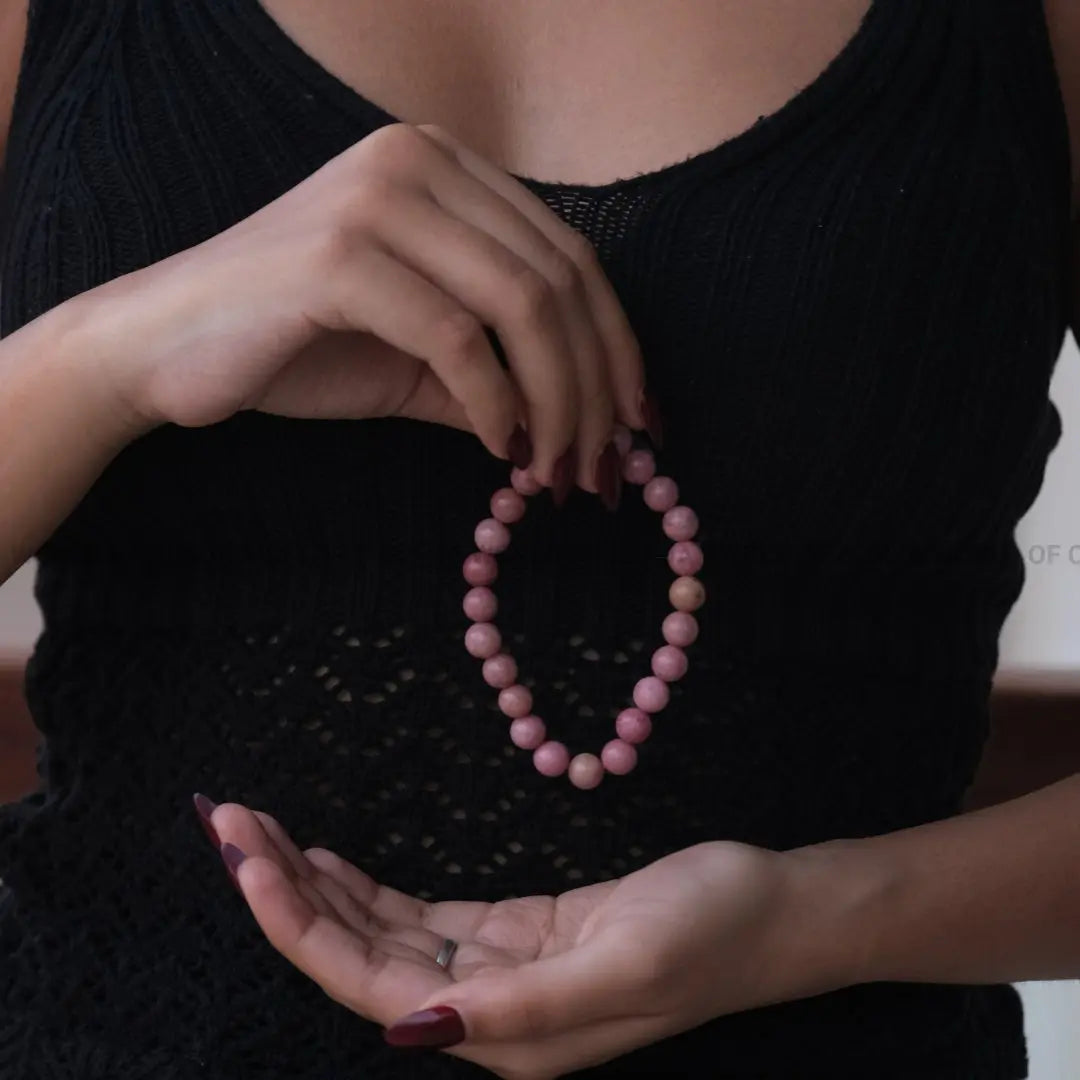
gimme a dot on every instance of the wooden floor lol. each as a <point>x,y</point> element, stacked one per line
<point>1036,737</point>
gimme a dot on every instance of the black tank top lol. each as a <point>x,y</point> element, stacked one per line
<point>850,314</point>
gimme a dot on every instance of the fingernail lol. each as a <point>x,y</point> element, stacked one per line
<point>519,449</point>
<point>650,413</point>
<point>437,1028</point>
<point>204,807</point>
<point>562,477</point>
<point>609,477</point>
<point>232,856</point>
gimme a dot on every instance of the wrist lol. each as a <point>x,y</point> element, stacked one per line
<point>838,891</point>
<point>84,351</point>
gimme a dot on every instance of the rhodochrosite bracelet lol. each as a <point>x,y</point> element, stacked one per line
<point>669,662</point>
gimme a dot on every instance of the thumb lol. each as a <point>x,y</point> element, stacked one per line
<point>525,1004</point>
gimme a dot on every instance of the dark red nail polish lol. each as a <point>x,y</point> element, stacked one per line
<point>609,477</point>
<point>562,479</point>
<point>204,807</point>
<point>232,856</point>
<point>519,449</point>
<point>437,1028</point>
<point>650,413</point>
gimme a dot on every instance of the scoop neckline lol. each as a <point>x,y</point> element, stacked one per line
<point>767,129</point>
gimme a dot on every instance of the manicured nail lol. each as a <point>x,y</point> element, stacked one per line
<point>232,856</point>
<point>650,413</point>
<point>609,477</point>
<point>436,1028</point>
<point>204,807</point>
<point>519,449</point>
<point>562,477</point>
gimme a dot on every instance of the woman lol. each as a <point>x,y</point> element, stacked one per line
<point>271,346</point>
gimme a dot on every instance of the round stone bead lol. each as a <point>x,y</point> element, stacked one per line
<point>685,557</point>
<point>686,594</point>
<point>586,771</point>
<point>527,732</point>
<point>623,440</point>
<point>480,568</point>
<point>669,663</point>
<point>507,506</point>
<point>500,671</point>
<point>618,757</point>
<point>492,536</point>
<point>680,628</point>
<point>661,494</point>
<point>524,483</point>
<point>482,640</point>
<point>516,701</point>
<point>680,523</point>
<point>480,604</point>
<point>651,694</point>
<point>639,467</point>
<point>551,758</point>
<point>633,725</point>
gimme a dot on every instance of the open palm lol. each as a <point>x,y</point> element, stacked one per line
<point>545,984</point>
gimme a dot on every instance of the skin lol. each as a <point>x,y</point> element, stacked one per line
<point>548,984</point>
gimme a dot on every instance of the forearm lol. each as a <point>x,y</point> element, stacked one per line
<point>990,896</point>
<point>61,422</point>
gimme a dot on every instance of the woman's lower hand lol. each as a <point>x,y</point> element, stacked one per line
<point>543,985</point>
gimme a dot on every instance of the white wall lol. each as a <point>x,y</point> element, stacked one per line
<point>1042,632</point>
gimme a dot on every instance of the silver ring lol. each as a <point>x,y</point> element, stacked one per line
<point>446,953</point>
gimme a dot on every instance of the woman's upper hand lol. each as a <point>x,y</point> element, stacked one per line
<point>366,290</point>
<point>541,986</point>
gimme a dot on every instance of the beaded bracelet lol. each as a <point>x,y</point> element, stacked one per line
<point>669,662</point>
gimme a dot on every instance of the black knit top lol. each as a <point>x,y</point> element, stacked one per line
<point>850,315</point>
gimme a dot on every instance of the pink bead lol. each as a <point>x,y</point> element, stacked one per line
<point>492,536</point>
<point>661,494</point>
<point>480,604</point>
<point>500,670</point>
<point>482,640</point>
<point>480,569</point>
<point>680,523</point>
<point>639,467</point>
<point>685,557</point>
<point>669,663</point>
<point>586,771</point>
<point>551,759</point>
<point>516,701</point>
<point>686,594</point>
<point>524,483</point>
<point>633,725</point>
<point>618,757</point>
<point>680,628</point>
<point>651,694</point>
<point>507,506</point>
<point>527,732</point>
<point>623,440</point>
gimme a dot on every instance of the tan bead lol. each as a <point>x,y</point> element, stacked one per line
<point>686,594</point>
<point>586,771</point>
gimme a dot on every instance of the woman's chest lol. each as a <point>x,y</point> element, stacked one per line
<point>570,91</point>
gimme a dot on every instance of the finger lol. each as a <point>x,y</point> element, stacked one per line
<point>507,292</point>
<point>237,824</point>
<point>347,965</point>
<point>450,919</point>
<point>544,998</point>
<point>375,292</point>
<point>470,199</point>
<point>622,350</point>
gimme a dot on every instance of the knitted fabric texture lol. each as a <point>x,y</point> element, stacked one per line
<point>850,315</point>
